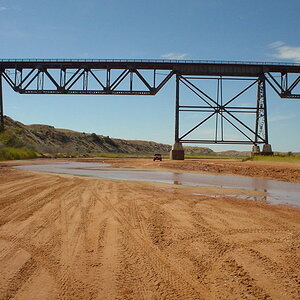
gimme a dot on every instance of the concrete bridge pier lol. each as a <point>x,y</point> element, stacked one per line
<point>177,152</point>
<point>255,150</point>
<point>267,150</point>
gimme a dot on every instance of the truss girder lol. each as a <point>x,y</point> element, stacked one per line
<point>282,86</point>
<point>45,81</point>
<point>29,76</point>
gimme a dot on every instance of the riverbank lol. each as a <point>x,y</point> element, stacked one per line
<point>67,237</point>
<point>284,171</point>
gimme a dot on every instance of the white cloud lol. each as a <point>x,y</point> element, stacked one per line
<point>284,51</point>
<point>2,8</point>
<point>172,55</point>
<point>276,44</point>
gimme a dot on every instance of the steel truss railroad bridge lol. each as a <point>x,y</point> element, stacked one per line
<point>148,77</point>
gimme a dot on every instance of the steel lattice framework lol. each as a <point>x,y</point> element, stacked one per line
<point>147,77</point>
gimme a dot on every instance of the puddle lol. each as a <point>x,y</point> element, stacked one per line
<point>277,192</point>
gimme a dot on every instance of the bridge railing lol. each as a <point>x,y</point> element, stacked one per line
<point>185,61</point>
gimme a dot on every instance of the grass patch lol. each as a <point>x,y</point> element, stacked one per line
<point>10,140</point>
<point>8,153</point>
<point>211,157</point>
<point>121,155</point>
<point>294,158</point>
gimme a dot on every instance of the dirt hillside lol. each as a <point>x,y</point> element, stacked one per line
<point>48,139</point>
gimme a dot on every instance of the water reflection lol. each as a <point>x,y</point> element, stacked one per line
<point>176,179</point>
<point>276,192</point>
<point>263,198</point>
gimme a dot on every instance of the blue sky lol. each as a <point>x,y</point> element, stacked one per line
<point>205,30</point>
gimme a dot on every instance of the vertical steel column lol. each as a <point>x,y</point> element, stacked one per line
<point>177,110</point>
<point>265,109</point>
<point>108,87</point>
<point>177,152</point>
<point>131,81</point>
<point>261,127</point>
<point>1,105</point>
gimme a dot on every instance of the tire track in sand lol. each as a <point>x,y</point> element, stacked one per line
<point>15,283</point>
<point>175,275</point>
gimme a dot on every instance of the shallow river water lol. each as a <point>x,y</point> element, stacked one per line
<point>276,192</point>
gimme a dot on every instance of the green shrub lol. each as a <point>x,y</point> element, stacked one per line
<point>280,157</point>
<point>211,157</point>
<point>96,139</point>
<point>120,155</point>
<point>8,153</point>
<point>10,140</point>
<point>109,141</point>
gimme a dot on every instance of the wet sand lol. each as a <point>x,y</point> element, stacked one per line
<point>67,237</point>
<point>283,171</point>
<point>271,191</point>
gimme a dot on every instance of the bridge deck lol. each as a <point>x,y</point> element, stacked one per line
<point>183,67</point>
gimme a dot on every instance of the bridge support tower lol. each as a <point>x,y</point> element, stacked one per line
<point>177,152</point>
<point>1,105</point>
<point>261,126</point>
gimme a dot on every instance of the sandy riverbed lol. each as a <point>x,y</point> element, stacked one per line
<point>67,237</point>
